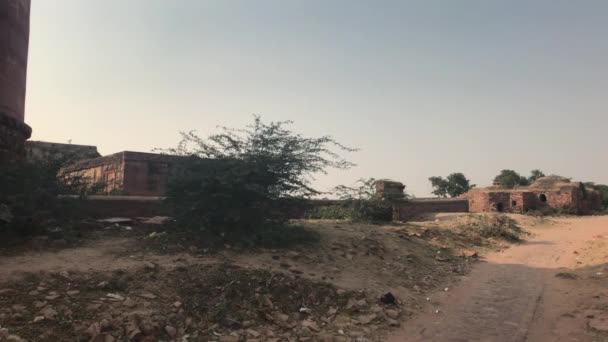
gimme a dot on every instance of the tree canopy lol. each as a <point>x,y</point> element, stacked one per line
<point>454,185</point>
<point>509,179</point>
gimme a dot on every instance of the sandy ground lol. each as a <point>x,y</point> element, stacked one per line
<point>515,295</point>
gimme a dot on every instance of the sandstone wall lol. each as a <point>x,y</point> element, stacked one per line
<point>406,210</point>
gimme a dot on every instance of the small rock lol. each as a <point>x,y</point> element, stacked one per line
<point>171,331</point>
<point>33,293</point>
<point>38,319</point>
<point>282,317</point>
<point>253,333</point>
<point>366,319</point>
<point>388,298</point>
<point>73,292</point>
<point>229,338</point>
<point>49,313</point>
<point>115,297</point>
<point>392,322</point>
<point>19,307</point>
<point>147,295</point>
<point>52,296</point>
<point>149,265</point>
<point>129,303</point>
<point>177,304</point>
<point>394,314</point>
<point>93,307</point>
<point>6,291</point>
<point>312,325</point>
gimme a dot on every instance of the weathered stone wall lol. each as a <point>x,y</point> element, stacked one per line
<point>14,39</point>
<point>69,153</point>
<point>479,201</point>
<point>583,201</point>
<point>406,210</point>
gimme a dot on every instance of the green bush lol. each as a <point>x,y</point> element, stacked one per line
<point>240,184</point>
<point>28,196</point>
<point>355,211</point>
<point>499,227</point>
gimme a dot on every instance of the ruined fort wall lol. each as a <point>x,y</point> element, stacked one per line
<point>406,210</point>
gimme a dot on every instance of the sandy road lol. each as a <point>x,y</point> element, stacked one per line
<point>515,295</point>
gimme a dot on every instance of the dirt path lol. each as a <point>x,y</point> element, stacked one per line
<point>515,295</point>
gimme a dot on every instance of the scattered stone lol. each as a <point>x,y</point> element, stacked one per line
<point>49,313</point>
<point>93,307</point>
<point>39,304</point>
<point>38,319</point>
<point>178,304</point>
<point>129,303</point>
<point>282,317</point>
<point>6,291</point>
<point>366,319</point>
<point>19,307</point>
<point>171,331</point>
<point>253,333</point>
<point>102,284</point>
<point>156,220</point>
<point>388,298</point>
<point>312,325</point>
<point>394,314</point>
<point>116,220</point>
<point>149,265</point>
<point>147,295</point>
<point>73,292</point>
<point>33,293</point>
<point>115,297</point>
<point>229,338</point>
<point>52,296</point>
<point>392,322</point>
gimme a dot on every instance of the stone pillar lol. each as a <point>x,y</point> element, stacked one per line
<point>14,40</point>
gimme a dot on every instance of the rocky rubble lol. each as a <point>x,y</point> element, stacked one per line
<point>198,303</point>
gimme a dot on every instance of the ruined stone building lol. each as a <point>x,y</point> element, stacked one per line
<point>14,40</point>
<point>127,173</point>
<point>66,153</point>
<point>550,191</point>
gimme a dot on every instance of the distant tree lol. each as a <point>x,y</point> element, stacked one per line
<point>454,185</point>
<point>534,175</point>
<point>440,186</point>
<point>509,179</point>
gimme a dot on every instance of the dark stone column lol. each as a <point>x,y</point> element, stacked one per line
<point>14,40</point>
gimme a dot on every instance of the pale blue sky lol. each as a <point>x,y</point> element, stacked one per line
<point>422,87</point>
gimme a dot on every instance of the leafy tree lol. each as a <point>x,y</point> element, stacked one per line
<point>509,179</point>
<point>242,182</point>
<point>454,185</point>
<point>534,175</point>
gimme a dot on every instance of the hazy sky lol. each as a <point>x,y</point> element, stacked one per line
<point>423,87</point>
